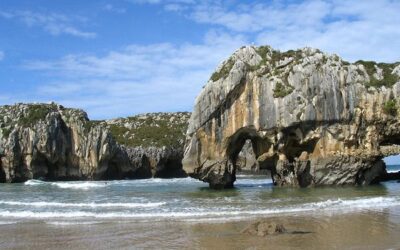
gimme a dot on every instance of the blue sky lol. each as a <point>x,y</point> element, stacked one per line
<point>123,57</point>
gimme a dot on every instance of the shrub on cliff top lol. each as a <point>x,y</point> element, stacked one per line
<point>275,56</point>
<point>151,130</point>
<point>36,113</point>
<point>278,56</point>
<point>224,71</point>
<point>388,80</point>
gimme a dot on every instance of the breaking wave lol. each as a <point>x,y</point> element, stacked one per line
<point>212,213</point>
<point>83,205</point>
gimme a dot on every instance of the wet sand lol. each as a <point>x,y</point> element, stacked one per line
<point>363,230</point>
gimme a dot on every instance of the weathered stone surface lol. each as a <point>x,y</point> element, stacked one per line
<point>313,119</point>
<point>247,161</point>
<point>156,139</point>
<point>160,162</point>
<point>51,142</point>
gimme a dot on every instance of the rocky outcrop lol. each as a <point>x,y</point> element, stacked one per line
<point>312,118</point>
<point>159,162</point>
<point>154,138</point>
<point>48,141</point>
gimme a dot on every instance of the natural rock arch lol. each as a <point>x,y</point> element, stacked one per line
<point>313,118</point>
<point>237,140</point>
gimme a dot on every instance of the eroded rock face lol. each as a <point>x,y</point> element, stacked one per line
<point>48,141</point>
<point>51,142</point>
<point>312,118</point>
<point>246,160</point>
<point>154,138</point>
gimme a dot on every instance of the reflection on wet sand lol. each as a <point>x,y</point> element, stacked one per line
<point>377,230</point>
<point>357,231</point>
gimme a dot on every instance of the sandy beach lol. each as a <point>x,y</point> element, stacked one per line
<point>366,230</point>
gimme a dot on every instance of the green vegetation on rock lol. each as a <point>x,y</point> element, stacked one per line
<point>88,125</point>
<point>390,107</point>
<point>35,113</point>
<point>156,129</point>
<point>263,51</point>
<point>274,56</point>
<point>282,90</point>
<point>388,80</point>
<point>6,132</point>
<point>278,56</point>
<point>224,71</point>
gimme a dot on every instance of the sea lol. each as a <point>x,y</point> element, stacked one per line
<point>183,213</point>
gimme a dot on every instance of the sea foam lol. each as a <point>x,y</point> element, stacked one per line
<point>83,205</point>
<point>337,205</point>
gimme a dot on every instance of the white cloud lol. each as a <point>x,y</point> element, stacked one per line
<point>361,30</point>
<point>167,77</point>
<point>258,17</point>
<point>353,29</point>
<point>136,79</point>
<point>53,23</point>
<point>1,55</point>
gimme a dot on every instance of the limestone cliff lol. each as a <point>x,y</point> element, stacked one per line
<point>158,137</point>
<point>312,118</point>
<point>51,142</point>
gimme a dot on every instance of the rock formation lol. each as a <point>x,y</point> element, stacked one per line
<point>312,118</point>
<point>246,160</point>
<point>51,142</point>
<point>157,138</point>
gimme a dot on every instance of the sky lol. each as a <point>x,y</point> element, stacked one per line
<point>124,57</point>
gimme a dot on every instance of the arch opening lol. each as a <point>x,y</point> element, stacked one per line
<point>392,163</point>
<point>246,152</point>
<point>390,149</point>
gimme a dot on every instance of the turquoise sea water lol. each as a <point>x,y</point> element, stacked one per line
<point>186,214</point>
<point>392,168</point>
<point>184,199</point>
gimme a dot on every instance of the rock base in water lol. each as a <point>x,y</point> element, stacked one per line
<point>50,142</point>
<point>310,118</point>
<point>390,176</point>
